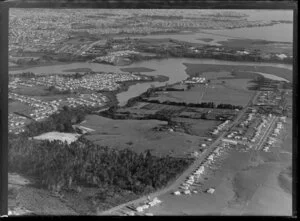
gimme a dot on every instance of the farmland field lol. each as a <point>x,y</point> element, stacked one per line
<point>198,127</point>
<point>196,69</point>
<point>235,83</point>
<point>212,93</point>
<point>216,74</point>
<point>222,94</point>
<point>139,136</point>
<point>191,96</point>
<point>31,91</point>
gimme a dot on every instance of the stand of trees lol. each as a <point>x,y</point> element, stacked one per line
<point>174,89</point>
<point>57,165</point>
<point>61,121</point>
<point>54,90</point>
<point>229,106</point>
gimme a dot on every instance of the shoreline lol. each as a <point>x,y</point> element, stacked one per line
<point>112,95</point>
<point>25,67</point>
<point>193,70</point>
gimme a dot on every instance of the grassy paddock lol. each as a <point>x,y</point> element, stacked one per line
<point>196,69</point>
<point>32,91</point>
<point>16,106</point>
<point>198,127</point>
<point>139,136</point>
<point>217,93</point>
<point>262,45</point>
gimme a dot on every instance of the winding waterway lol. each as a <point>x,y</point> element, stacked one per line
<point>172,68</point>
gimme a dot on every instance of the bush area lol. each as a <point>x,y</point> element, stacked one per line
<point>58,165</point>
<point>61,121</point>
<point>54,90</point>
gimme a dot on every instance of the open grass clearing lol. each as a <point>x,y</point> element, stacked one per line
<point>191,96</point>
<point>236,83</point>
<point>54,97</point>
<point>212,93</point>
<point>139,136</point>
<point>222,94</point>
<point>198,127</point>
<point>216,74</point>
<point>31,91</point>
<point>19,107</point>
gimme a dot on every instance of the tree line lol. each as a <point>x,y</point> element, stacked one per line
<point>199,105</point>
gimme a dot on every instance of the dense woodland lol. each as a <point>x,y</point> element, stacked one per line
<point>61,166</point>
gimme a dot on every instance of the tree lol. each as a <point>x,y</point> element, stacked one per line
<point>66,108</point>
<point>51,88</point>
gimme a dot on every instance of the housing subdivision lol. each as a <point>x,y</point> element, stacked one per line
<point>64,90</point>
